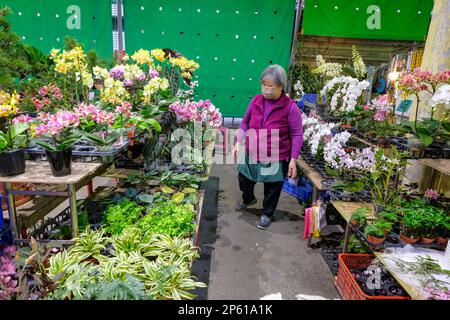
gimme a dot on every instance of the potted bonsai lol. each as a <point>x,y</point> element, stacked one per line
<point>13,137</point>
<point>376,231</point>
<point>59,135</point>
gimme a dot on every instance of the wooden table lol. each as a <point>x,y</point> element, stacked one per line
<point>39,172</point>
<point>312,175</point>
<point>346,210</point>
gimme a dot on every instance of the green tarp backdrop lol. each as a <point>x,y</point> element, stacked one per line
<point>45,23</point>
<point>368,19</point>
<point>232,40</point>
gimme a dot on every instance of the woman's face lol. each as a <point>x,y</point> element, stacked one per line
<point>270,90</point>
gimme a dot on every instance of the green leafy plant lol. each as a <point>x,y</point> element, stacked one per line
<point>360,215</point>
<point>357,246</point>
<point>180,180</point>
<point>141,265</point>
<point>378,228</point>
<point>420,219</point>
<point>131,289</point>
<point>122,215</point>
<point>169,218</point>
<point>89,245</point>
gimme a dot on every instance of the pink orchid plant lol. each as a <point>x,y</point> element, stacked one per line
<point>48,98</point>
<point>58,129</point>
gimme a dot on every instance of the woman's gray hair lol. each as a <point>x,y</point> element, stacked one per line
<point>276,73</point>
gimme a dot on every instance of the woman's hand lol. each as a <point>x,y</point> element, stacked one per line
<point>236,150</point>
<point>292,173</point>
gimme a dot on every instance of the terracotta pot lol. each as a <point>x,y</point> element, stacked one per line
<point>355,223</point>
<point>423,240</point>
<point>442,241</point>
<point>407,239</point>
<point>375,240</point>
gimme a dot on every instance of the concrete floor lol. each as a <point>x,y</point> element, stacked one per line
<point>248,263</point>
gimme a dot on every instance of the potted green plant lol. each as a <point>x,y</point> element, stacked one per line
<point>359,216</point>
<point>409,226</point>
<point>444,232</point>
<point>377,230</point>
<point>13,137</point>
<point>58,131</point>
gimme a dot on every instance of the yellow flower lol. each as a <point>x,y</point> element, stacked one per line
<point>158,54</point>
<point>142,57</point>
<point>187,67</point>
<point>154,85</point>
<point>8,106</point>
<point>54,52</point>
<point>68,61</point>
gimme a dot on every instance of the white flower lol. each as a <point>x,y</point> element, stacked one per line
<point>442,95</point>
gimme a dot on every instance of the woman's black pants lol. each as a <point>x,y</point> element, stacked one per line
<point>272,192</point>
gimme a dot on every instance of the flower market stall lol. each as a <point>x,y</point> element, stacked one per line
<point>77,120</point>
<point>355,153</point>
<point>110,177</point>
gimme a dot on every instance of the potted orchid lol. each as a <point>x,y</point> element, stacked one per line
<point>349,167</point>
<point>381,178</point>
<point>96,126</point>
<point>59,135</point>
<point>13,137</point>
<point>420,83</point>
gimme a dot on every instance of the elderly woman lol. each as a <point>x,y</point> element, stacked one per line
<point>272,127</point>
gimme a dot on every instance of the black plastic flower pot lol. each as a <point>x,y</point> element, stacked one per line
<point>12,162</point>
<point>60,162</point>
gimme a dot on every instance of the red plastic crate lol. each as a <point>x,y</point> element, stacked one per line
<point>347,285</point>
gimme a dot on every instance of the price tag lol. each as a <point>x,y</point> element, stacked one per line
<point>404,106</point>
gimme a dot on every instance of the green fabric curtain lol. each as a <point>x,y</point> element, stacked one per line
<point>233,41</point>
<point>368,19</point>
<point>45,23</point>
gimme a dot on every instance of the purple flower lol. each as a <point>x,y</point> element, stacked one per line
<point>116,72</point>
<point>128,83</point>
<point>153,73</point>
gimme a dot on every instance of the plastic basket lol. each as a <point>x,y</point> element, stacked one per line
<point>347,285</point>
<point>5,235</point>
<point>301,191</point>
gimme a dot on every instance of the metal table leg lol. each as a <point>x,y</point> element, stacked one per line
<point>12,210</point>
<point>73,209</point>
<point>346,237</point>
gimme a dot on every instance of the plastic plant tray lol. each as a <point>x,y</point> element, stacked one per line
<point>83,149</point>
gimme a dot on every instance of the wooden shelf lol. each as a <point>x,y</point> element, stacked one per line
<point>39,172</point>
<point>312,174</point>
<point>441,165</point>
<point>346,208</point>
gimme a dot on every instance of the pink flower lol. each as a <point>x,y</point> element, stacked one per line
<point>431,194</point>
<point>46,101</point>
<point>124,108</point>
<point>366,107</point>
<point>57,93</point>
<point>37,103</point>
<point>54,124</point>
<point>22,119</point>
<point>43,91</point>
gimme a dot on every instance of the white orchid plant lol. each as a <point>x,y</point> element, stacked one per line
<point>314,133</point>
<point>345,93</point>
